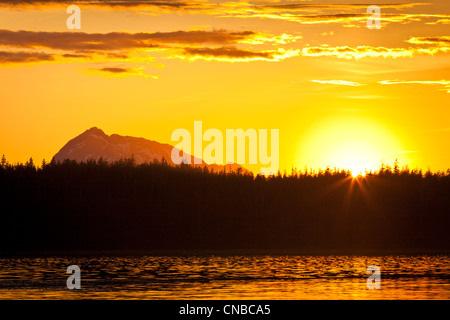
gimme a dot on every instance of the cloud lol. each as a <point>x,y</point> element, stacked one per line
<point>443,21</point>
<point>329,13</point>
<point>24,57</point>
<point>166,4</point>
<point>440,41</point>
<point>339,82</point>
<point>299,12</point>
<point>436,45</point>
<point>359,52</point>
<point>121,40</point>
<point>347,6</point>
<point>120,72</point>
<point>445,83</point>
<point>261,38</point>
<point>232,54</point>
<point>183,4</point>
<point>123,46</point>
<point>115,70</point>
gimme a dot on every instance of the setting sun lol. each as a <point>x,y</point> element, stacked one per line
<point>353,143</point>
<point>356,156</point>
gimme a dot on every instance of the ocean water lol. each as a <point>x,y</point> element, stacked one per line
<point>226,277</point>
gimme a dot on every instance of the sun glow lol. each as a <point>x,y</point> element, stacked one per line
<point>356,144</point>
<point>355,155</point>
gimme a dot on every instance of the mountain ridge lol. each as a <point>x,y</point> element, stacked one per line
<point>95,144</point>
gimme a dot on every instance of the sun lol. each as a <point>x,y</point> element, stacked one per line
<point>354,155</point>
<point>355,143</point>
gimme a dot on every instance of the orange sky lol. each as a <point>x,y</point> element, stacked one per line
<point>340,93</point>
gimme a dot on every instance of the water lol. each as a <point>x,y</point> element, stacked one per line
<point>226,277</point>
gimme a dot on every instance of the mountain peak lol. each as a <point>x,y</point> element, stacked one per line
<point>96,131</point>
<point>95,144</point>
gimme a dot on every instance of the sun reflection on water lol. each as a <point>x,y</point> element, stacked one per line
<point>232,277</point>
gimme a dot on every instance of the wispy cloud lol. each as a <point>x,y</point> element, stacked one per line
<point>122,40</point>
<point>117,72</point>
<point>232,54</point>
<point>303,13</point>
<point>441,41</point>
<point>217,45</point>
<point>339,82</point>
<point>445,83</point>
<point>359,52</point>
<point>24,57</point>
<point>350,15</point>
<point>347,6</point>
<point>167,4</point>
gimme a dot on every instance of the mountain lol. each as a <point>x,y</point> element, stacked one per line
<point>95,144</point>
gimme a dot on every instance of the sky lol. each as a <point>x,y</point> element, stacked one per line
<point>341,94</point>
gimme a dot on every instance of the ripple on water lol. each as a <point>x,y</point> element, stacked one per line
<point>226,277</point>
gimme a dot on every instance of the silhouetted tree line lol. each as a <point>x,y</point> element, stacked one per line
<point>155,207</point>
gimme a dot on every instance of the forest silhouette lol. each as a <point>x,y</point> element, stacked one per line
<point>96,206</point>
